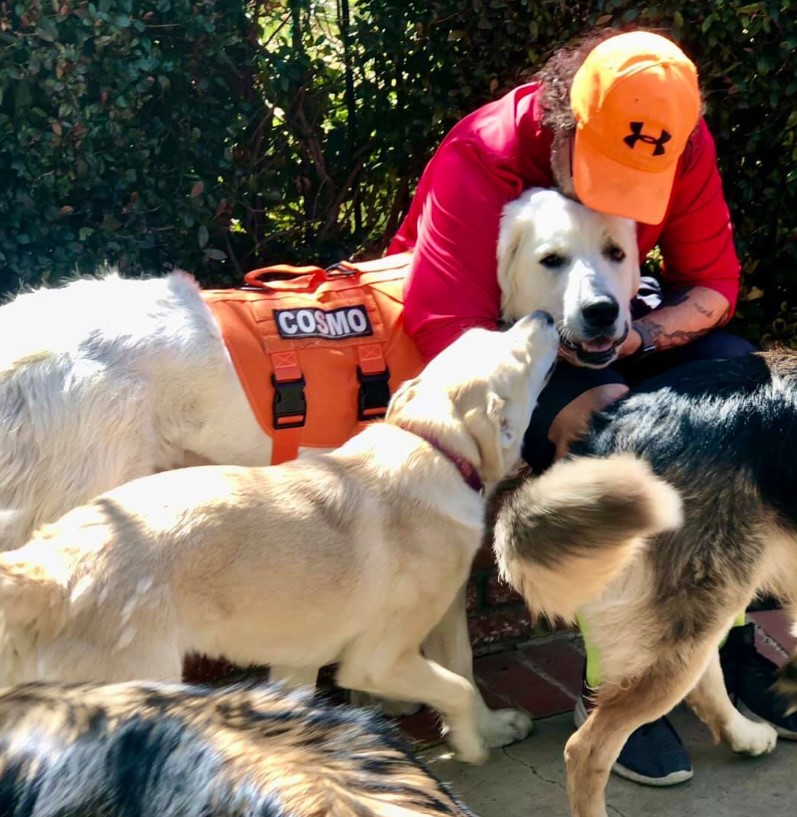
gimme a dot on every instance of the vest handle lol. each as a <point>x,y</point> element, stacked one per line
<point>289,273</point>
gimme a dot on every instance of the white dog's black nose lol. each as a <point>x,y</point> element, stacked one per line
<point>600,313</point>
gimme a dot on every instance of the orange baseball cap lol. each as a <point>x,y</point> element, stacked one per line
<point>635,101</point>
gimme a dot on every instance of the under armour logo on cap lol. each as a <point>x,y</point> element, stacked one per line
<point>636,135</point>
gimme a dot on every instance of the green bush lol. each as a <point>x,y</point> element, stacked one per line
<point>118,122</point>
<point>221,136</point>
<point>414,67</point>
<point>418,67</point>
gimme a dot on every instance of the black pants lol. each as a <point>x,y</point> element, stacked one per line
<point>568,382</point>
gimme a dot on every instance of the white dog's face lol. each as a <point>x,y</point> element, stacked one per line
<point>485,385</point>
<point>580,266</point>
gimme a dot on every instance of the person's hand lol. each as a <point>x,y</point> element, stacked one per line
<point>631,344</point>
<point>569,355</point>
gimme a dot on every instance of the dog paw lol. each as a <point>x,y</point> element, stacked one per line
<point>751,737</point>
<point>391,708</point>
<point>500,727</point>
<point>469,751</point>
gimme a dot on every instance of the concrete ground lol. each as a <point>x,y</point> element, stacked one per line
<point>527,779</point>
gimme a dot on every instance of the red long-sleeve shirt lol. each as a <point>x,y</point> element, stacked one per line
<point>487,160</point>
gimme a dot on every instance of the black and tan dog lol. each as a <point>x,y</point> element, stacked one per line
<point>158,750</point>
<point>574,540</point>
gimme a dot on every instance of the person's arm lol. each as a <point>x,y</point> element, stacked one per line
<point>686,314</point>
<point>452,284</point>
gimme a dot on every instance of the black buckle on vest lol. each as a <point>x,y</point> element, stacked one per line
<point>374,395</point>
<point>289,405</point>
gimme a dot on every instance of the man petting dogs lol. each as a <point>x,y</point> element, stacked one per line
<point>615,122</point>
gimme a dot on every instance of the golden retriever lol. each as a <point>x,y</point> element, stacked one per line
<point>351,556</point>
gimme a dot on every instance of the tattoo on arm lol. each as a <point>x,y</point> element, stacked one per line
<point>666,338</point>
<point>683,294</point>
<point>675,337</point>
<point>709,313</point>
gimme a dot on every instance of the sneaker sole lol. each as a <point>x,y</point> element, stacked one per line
<point>673,779</point>
<point>784,733</point>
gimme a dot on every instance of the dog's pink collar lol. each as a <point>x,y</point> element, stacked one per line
<point>469,473</point>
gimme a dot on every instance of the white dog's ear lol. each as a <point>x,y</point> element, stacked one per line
<point>511,231</point>
<point>487,426</point>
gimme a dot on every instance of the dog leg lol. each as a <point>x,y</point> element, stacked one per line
<point>391,708</point>
<point>413,676</point>
<point>293,677</point>
<point>591,752</point>
<point>710,702</point>
<point>449,645</point>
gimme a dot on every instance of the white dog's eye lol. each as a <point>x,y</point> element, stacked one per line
<point>553,260</point>
<point>614,253</point>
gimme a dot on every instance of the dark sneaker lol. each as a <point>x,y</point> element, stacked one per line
<point>653,755</point>
<point>749,677</point>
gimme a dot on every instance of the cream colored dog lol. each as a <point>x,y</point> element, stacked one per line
<point>351,556</point>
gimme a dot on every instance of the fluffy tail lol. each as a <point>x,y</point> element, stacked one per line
<point>559,539</point>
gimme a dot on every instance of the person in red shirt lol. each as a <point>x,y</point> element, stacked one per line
<point>615,122</point>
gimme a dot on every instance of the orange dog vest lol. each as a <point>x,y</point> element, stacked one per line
<point>318,352</point>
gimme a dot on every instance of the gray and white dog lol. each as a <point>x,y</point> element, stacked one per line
<point>146,749</point>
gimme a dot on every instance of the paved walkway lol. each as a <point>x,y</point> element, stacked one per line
<point>527,779</point>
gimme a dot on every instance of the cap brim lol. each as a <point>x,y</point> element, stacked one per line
<point>610,187</point>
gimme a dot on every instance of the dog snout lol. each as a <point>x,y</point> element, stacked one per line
<point>541,315</point>
<point>601,312</point>
<point>540,324</point>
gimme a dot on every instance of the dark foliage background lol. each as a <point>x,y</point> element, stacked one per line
<point>222,135</point>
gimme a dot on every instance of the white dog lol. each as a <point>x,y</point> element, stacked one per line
<point>581,266</point>
<point>351,556</point>
<point>105,380</point>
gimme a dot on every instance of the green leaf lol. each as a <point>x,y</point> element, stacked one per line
<point>47,29</point>
<point>750,8</point>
